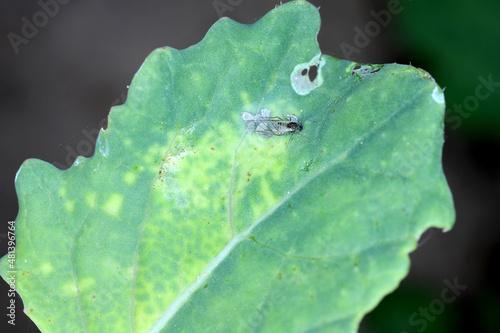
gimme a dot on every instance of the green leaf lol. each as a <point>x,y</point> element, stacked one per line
<point>183,220</point>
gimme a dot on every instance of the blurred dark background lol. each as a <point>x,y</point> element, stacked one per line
<point>58,83</point>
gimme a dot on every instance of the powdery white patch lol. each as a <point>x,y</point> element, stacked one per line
<point>102,144</point>
<point>438,95</point>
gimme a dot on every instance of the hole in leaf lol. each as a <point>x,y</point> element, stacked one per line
<point>313,73</point>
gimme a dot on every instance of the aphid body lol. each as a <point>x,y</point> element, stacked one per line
<point>268,126</point>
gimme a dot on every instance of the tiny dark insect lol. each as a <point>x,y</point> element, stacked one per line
<point>278,126</point>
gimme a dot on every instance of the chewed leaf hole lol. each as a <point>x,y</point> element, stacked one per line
<point>361,70</point>
<point>307,76</point>
<point>313,73</point>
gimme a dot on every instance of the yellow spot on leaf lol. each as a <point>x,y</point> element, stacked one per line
<point>130,177</point>
<point>86,283</point>
<point>245,97</point>
<point>69,289</point>
<point>91,199</point>
<point>46,268</point>
<point>69,205</point>
<point>153,156</point>
<point>113,204</point>
<point>62,192</point>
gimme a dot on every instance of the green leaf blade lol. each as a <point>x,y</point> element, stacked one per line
<point>185,221</point>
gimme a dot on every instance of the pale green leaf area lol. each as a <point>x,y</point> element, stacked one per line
<point>184,220</point>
